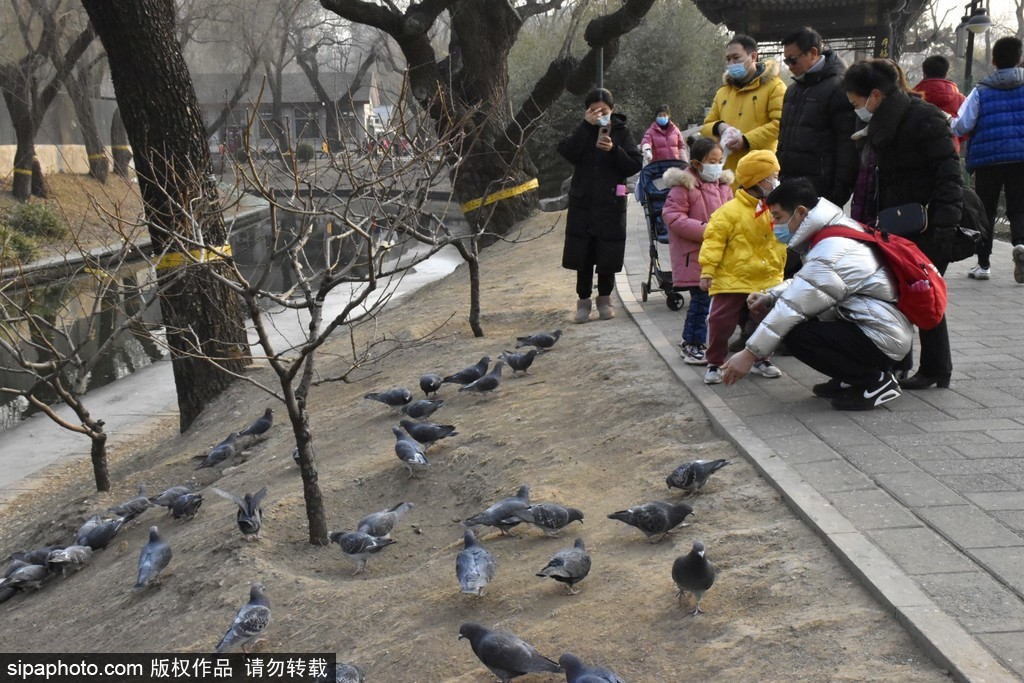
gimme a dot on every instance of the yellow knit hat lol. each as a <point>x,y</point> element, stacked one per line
<point>756,166</point>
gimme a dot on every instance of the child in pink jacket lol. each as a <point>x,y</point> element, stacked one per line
<point>697,191</point>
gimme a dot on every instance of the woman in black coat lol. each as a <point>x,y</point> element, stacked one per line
<point>915,161</point>
<point>604,154</point>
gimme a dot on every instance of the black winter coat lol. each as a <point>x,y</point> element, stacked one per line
<point>595,229</point>
<point>814,135</point>
<point>915,161</point>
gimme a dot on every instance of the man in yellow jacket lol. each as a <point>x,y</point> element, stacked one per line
<point>741,254</point>
<point>746,111</point>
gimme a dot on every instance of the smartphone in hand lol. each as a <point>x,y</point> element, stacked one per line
<point>604,131</point>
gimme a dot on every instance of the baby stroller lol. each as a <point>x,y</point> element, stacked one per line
<point>652,193</point>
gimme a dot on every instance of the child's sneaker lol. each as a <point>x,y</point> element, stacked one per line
<point>713,375</point>
<point>765,369</point>
<point>693,354</point>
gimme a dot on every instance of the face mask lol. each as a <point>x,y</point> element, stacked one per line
<point>782,232</point>
<point>662,120</point>
<point>711,172</point>
<point>773,183</point>
<point>604,120</point>
<point>863,113</point>
<point>737,71</point>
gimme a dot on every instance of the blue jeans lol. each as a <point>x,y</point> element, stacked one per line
<point>695,329</point>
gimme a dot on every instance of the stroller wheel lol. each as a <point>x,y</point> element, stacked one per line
<point>674,301</point>
<point>644,291</point>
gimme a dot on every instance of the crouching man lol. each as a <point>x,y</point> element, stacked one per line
<point>837,314</point>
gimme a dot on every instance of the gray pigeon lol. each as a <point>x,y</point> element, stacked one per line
<point>691,476</point>
<point>422,408</point>
<point>428,433</point>
<point>693,573</point>
<point>550,517</point>
<point>69,559</point>
<point>503,513</point>
<point>36,555</point>
<point>380,524</point>
<point>470,374</point>
<point>153,559</point>
<point>130,509</point>
<point>430,383</point>
<point>250,516</point>
<point>261,425</point>
<point>170,495</point>
<point>409,451</point>
<point>541,340</point>
<point>221,452</point>
<point>100,534</point>
<point>392,397</point>
<point>489,382</point>
<point>341,672</point>
<point>186,506</point>
<point>578,672</point>
<point>26,577</point>
<point>474,566</point>
<point>250,622</point>
<point>506,655</point>
<point>519,361</point>
<point>569,566</point>
<point>654,519</point>
<point>358,546</point>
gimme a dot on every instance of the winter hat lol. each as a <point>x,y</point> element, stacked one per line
<point>756,166</point>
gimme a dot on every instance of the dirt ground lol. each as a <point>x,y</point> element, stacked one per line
<point>598,425</point>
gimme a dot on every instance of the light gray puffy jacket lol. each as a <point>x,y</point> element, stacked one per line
<point>841,279</point>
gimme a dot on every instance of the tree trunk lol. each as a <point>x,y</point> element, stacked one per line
<point>158,105</point>
<point>98,453</point>
<point>17,95</point>
<point>78,91</point>
<point>299,417</point>
<point>122,151</point>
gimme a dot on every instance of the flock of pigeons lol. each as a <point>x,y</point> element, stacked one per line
<point>505,654</point>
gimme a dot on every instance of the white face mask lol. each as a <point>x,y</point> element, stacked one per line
<point>711,172</point>
<point>604,120</point>
<point>864,114</point>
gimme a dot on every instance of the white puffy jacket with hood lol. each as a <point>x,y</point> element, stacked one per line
<point>841,279</point>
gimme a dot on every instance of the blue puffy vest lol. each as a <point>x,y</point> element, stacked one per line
<point>998,136</point>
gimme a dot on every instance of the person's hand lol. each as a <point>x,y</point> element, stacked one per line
<point>737,144</point>
<point>705,283</point>
<point>759,303</point>
<point>648,154</point>
<point>604,143</point>
<point>592,115</point>
<point>737,367</point>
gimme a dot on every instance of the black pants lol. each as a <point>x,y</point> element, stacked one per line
<point>585,282</point>
<point>840,350</point>
<point>988,182</point>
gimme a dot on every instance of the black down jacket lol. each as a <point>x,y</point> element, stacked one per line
<point>814,136</point>
<point>595,230</point>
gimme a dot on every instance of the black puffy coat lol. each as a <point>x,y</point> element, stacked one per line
<point>595,229</point>
<point>915,161</point>
<point>814,135</point>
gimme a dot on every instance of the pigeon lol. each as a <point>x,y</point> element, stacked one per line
<point>422,408</point>
<point>489,382</point>
<point>261,425</point>
<point>153,559</point>
<point>502,514</point>
<point>130,509</point>
<point>654,519</point>
<point>693,573</point>
<point>409,450</point>
<point>168,497</point>
<point>470,374</point>
<point>380,524</point>
<point>519,361</point>
<point>474,566</point>
<point>505,654</point>
<point>250,516</point>
<point>99,534</point>
<point>691,476</point>
<point>569,566</point>
<point>25,577</point>
<point>541,340</point>
<point>186,506</point>
<point>358,546</point>
<point>430,383</point>
<point>221,452</point>
<point>69,559</point>
<point>35,556</point>
<point>578,672</point>
<point>392,397</point>
<point>341,672</point>
<point>550,517</point>
<point>250,622</point>
<point>428,433</point>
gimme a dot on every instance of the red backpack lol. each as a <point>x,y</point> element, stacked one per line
<point>919,285</point>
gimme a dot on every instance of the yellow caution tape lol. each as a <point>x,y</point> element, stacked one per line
<point>178,259</point>
<point>474,204</point>
<point>23,171</point>
<point>123,148</point>
<point>96,157</point>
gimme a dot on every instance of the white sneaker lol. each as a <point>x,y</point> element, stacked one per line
<point>713,375</point>
<point>979,273</point>
<point>1018,263</point>
<point>693,354</point>
<point>765,369</point>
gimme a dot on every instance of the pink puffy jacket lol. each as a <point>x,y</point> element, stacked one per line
<point>689,205</point>
<point>665,143</point>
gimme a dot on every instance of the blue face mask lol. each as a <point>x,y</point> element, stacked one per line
<point>736,71</point>
<point>662,120</point>
<point>782,232</point>
<point>604,120</point>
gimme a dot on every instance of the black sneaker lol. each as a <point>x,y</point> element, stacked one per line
<point>829,389</point>
<point>865,398</point>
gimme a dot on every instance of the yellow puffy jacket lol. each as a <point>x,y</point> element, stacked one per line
<point>740,253</point>
<point>755,109</point>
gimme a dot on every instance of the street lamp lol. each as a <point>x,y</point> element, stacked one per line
<point>976,21</point>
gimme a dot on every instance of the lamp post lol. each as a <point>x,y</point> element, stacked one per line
<point>976,21</point>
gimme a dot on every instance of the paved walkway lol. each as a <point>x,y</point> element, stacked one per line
<point>922,498</point>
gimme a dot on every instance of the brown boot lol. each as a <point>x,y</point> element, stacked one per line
<point>604,307</point>
<point>583,307</point>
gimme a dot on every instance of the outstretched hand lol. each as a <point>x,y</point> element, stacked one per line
<point>737,367</point>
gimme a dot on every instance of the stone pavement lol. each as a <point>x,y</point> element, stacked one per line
<point>923,498</point>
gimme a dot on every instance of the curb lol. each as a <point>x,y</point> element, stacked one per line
<point>942,638</point>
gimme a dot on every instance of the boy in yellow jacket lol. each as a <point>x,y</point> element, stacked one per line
<point>740,255</point>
